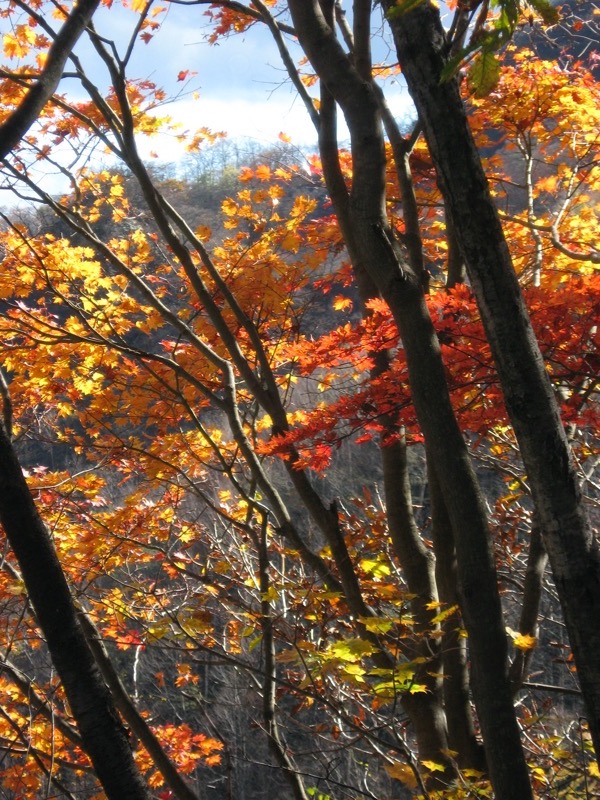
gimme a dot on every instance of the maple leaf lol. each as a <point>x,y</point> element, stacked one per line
<point>341,303</point>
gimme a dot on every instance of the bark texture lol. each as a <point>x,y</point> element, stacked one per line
<point>135,720</point>
<point>572,548</point>
<point>532,594</point>
<point>425,710</point>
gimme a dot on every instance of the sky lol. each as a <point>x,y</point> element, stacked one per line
<point>237,86</point>
<point>240,85</point>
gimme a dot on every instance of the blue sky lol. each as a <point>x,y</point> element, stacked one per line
<point>240,82</point>
<point>242,88</point>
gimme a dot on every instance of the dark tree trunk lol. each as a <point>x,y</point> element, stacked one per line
<point>457,690</point>
<point>372,247</point>
<point>425,710</point>
<point>104,738</point>
<point>572,549</point>
<point>456,269</point>
<point>532,595</point>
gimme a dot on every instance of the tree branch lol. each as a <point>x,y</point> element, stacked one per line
<point>19,122</point>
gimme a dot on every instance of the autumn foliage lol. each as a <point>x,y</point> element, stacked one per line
<point>189,399</point>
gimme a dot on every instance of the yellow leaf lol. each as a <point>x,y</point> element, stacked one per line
<point>403,773</point>
<point>12,47</point>
<point>270,595</point>
<point>291,242</point>
<point>433,766</point>
<point>203,232</point>
<point>443,615</point>
<point>340,303</point>
<point>524,642</point>
<point>560,752</point>
<point>378,624</point>
<point>473,773</point>
<point>375,567</point>
<point>350,650</point>
<point>229,207</point>
<point>263,173</point>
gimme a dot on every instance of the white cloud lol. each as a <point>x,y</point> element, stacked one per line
<point>242,88</point>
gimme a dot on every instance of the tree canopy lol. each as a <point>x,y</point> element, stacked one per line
<point>288,443</point>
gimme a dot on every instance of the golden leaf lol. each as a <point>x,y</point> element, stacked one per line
<point>402,772</point>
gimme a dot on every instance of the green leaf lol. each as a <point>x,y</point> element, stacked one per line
<point>312,792</point>
<point>484,73</point>
<point>549,13</point>
<point>509,16</point>
<point>403,7</point>
<point>454,64</point>
<point>418,688</point>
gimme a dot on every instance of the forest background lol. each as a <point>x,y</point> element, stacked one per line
<point>267,546</point>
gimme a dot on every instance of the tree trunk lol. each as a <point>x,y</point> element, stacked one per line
<point>532,595</point>
<point>371,245</point>
<point>425,710</point>
<point>104,738</point>
<point>457,690</point>
<point>572,549</point>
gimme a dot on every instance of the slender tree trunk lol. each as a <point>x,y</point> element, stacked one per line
<point>457,699</point>
<point>371,244</point>
<point>276,742</point>
<point>532,595</point>
<point>425,710</point>
<point>134,719</point>
<point>104,738</point>
<point>572,549</point>
<point>480,602</point>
